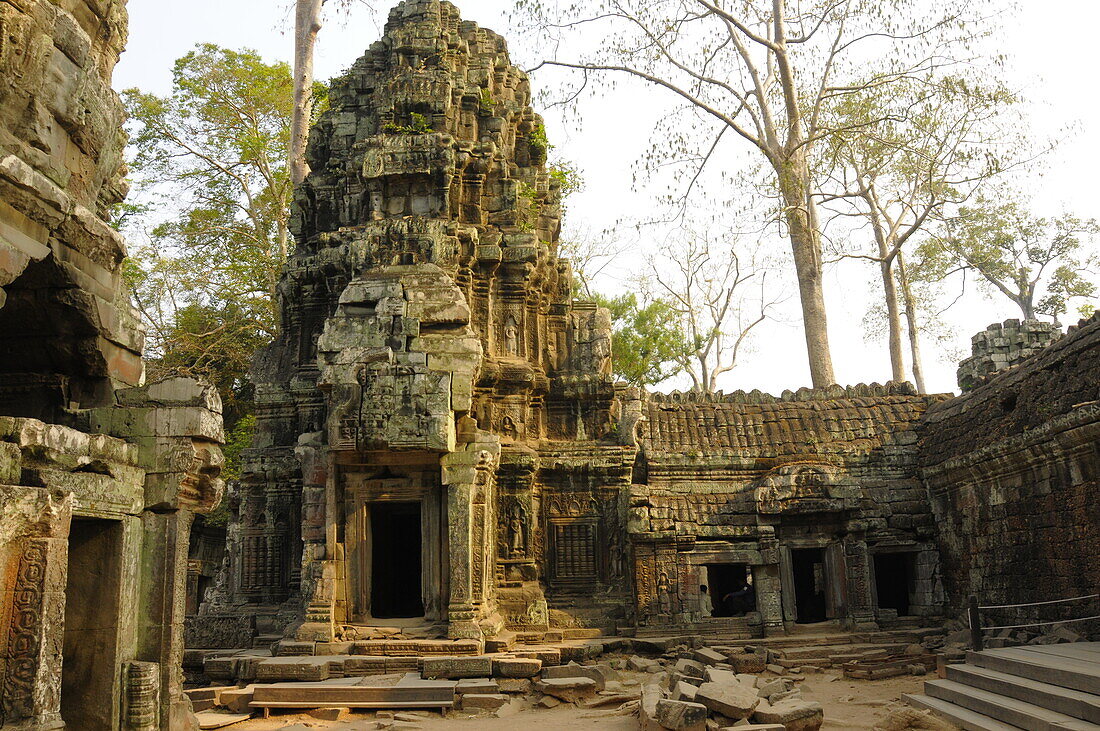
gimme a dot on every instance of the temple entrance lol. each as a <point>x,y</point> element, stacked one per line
<point>89,697</point>
<point>395,560</point>
<point>892,581</point>
<point>808,570</point>
<point>730,588</point>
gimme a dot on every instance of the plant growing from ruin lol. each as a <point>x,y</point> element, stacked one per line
<point>418,125</point>
<point>763,72</point>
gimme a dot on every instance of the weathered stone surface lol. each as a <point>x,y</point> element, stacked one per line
<point>573,670</point>
<point>732,700</point>
<point>794,715</point>
<point>569,690</point>
<point>516,667</point>
<point>483,701</point>
<point>681,715</point>
<point>457,667</point>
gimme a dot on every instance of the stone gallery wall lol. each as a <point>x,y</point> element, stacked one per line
<point>100,475</point>
<point>748,478</point>
<point>1012,469</point>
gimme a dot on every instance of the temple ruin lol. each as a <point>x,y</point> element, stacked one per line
<point>444,463</point>
<point>442,447</point>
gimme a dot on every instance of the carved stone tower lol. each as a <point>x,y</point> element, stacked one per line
<point>422,409</point>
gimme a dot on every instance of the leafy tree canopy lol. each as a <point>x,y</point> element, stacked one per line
<point>647,342</point>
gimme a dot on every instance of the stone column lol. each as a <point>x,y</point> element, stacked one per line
<point>34,531</point>
<point>769,584</point>
<point>319,541</point>
<point>860,602</point>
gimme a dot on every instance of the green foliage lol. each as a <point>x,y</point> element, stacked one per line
<point>418,125</point>
<point>647,339</point>
<point>1040,264</point>
<point>540,145</point>
<point>485,101</point>
<point>236,441</point>
<point>206,257</point>
<point>567,177</point>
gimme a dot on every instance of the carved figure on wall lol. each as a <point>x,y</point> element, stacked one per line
<point>517,544</point>
<point>508,428</point>
<point>511,336</point>
<point>664,593</point>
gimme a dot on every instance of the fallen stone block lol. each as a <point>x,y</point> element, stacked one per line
<point>483,701</point>
<point>569,690</point>
<point>477,685</point>
<point>329,714</point>
<point>548,655</point>
<point>573,670</point>
<point>516,667</point>
<point>548,701</point>
<point>521,686</point>
<point>747,662</point>
<point>733,700</point>
<point>681,715</point>
<point>708,656</point>
<point>637,664</point>
<point>453,668</point>
<point>794,715</point>
<point>689,668</point>
<point>237,700</point>
<point>684,692</point>
<point>771,687</point>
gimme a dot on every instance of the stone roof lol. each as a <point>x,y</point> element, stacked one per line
<point>807,423</point>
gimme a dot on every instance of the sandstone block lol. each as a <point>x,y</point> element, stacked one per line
<point>573,670</point>
<point>684,692</point>
<point>520,686</point>
<point>707,656</point>
<point>729,699</point>
<point>516,667</point>
<point>477,685</point>
<point>794,715</point>
<point>453,668</point>
<point>681,715</point>
<point>484,701</point>
<point>335,713</point>
<point>569,690</point>
<point>689,668</point>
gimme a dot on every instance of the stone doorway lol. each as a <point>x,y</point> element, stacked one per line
<point>730,588</point>
<point>809,575</point>
<point>894,581</point>
<point>396,590</point>
<point>93,591</point>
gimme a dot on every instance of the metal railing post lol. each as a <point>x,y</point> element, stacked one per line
<point>975,626</point>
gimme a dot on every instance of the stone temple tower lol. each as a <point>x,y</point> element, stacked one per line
<point>435,418</point>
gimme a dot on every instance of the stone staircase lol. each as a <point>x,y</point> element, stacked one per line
<point>1038,688</point>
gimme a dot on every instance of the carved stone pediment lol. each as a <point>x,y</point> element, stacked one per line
<point>805,487</point>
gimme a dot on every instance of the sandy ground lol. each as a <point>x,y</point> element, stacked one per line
<point>848,704</point>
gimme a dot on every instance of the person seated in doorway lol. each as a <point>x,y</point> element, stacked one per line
<point>738,603</point>
<point>706,607</point>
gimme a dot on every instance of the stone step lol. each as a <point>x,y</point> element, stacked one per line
<point>1061,670</point>
<point>1002,708</point>
<point>964,718</point>
<point>1078,704</point>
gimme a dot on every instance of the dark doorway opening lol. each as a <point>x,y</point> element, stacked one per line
<point>89,699</point>
<point>808,567</point>
<point>730,588</point>
<point>892,581</point>
<point>395,560</point>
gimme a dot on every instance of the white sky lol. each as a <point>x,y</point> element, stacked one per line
<point>1053,65</point>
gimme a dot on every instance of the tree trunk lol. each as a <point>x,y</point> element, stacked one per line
<point>794,177</point>
<point>911,321</point>
<point>307,23</point>
<point>890,294</point>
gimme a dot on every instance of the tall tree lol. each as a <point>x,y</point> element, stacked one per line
<point>913,151</point>
<point>1038,264</point>
<point>720,292</point>
<point>307,25</point>
<point>763,71</point>
<point>207,257</point>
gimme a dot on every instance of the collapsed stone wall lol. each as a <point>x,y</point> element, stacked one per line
<point>100,474</point>
<point>1013,473</point>
<point>1003,345</point>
